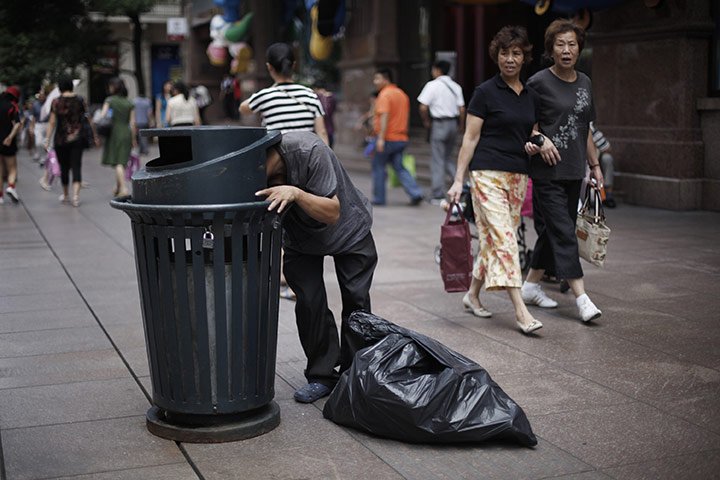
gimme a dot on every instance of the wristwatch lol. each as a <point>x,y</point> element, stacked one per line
<point>538,139</point>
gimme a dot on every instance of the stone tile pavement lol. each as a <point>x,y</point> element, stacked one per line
<point>635,395</point>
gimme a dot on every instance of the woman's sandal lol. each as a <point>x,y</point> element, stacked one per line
<point>477,311</point>
<point>534,325</point>
<point>76,201</point>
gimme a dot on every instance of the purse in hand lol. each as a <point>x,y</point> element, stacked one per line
<point>103,125</point>
<point>592,232</point>
<point>456,261</point>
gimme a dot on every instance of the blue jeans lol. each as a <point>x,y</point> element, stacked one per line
<point>393,154</point>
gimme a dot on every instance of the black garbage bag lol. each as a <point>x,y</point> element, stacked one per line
<point>409,387</point>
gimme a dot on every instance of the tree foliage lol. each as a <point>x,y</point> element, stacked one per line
<point>131,9</point>
<point>123,7</point>
<point>40,39</point>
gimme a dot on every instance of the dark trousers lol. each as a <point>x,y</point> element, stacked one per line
<point>554,214</point>
<point>315,322</point>
<point>70,159</point>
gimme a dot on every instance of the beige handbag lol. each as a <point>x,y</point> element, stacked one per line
<point>592,233</point>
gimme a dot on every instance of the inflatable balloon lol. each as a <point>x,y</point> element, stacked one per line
<point>227,36</point>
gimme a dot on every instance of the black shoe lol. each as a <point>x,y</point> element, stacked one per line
<point>609,202</point>
<point>416,201</point>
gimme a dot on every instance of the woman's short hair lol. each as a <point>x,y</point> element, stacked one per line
<point>511,36</point>
<point>281,57</point>
<point>65,83</point>
<point>118,86</point>
<point>559,27</point>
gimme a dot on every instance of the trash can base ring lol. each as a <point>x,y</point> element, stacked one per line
<point>266,419</point>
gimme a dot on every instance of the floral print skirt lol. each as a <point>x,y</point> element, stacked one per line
<point>497,200</point>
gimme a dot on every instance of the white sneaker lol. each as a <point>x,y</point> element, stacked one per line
<point>2,200</point>
<point>532,294</point>
<point>587,309</point>
<point>12,193</point>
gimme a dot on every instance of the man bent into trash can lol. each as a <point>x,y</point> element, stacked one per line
<point>326,215</point>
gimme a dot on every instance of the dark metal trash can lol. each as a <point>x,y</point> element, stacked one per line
<point>209,287</point>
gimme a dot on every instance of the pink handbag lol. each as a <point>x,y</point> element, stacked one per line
<point>456,261</point>
<point>133,165</point>
<point>52,166</point>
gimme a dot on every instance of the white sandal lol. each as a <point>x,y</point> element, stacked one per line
<point>477,311</point>
<point>534,325</point>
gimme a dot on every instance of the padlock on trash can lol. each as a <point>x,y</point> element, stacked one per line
<point>208,269</point>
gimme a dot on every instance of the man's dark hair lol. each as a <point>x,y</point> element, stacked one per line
<point>385,72</point>
<point>443,66</point>
<point>281,57</point>
<point>65,84</point>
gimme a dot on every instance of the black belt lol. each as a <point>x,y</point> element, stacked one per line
<point>437,119</point>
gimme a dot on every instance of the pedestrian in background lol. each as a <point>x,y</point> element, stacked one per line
<point>501,116</point>
<point>203,99</point>
<point>285,105</point>
<point>607,164</point>
<point>122,136</point>
<point>10,126</point>
<point>39,126</point>
<point>329,103</point>
<point>182,110</point>
<point>65,126</point>
<point>561,148</point>
<point>226,95</point>
<point>143,119</point>
<point>161,100</point>
<point>390,123</point>
<point>442,109</point>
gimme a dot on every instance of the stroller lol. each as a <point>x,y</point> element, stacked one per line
<point>468,212</point>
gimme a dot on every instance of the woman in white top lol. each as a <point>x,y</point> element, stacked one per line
<point>182,110</point>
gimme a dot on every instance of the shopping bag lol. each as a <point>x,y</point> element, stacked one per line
<point>456,259</point>
<point>407,386</point>
<point>591,231</point>
<point>527,209</point>
<point>408,161</point>
<point>133,165</point>
<point>103,125</point>
<point>52,166</point>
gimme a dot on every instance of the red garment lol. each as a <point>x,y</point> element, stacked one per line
<point>237,91</point>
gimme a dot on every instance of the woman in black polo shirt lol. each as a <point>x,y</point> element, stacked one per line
<point>565,110</point>
<point>501,115</point>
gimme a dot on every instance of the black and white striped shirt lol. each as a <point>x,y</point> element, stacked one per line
<point>287,107</point>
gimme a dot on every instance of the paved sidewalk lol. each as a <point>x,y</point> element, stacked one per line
<point>635,395</point>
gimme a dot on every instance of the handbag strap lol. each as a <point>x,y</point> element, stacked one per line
<point>592,191</point>
<point>450,213</point>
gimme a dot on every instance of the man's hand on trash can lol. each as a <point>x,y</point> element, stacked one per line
<point>280,197</point>
<point>322,209</point>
